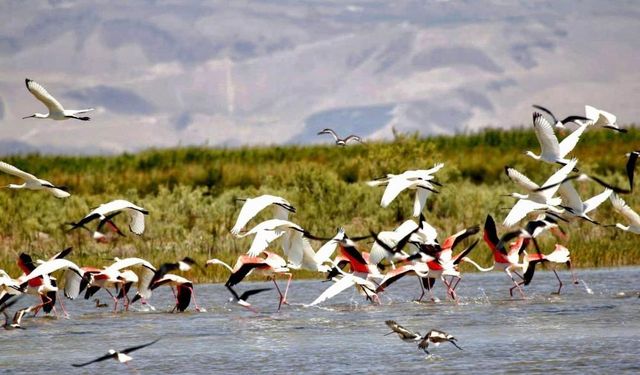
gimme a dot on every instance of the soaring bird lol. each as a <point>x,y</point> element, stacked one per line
<point>537,198</point>
<point>559,124</point>
<point>32,182</point>
<point>632,217</point>
<point>106,211</point>
<point>436,337</point>
<point>403,333</point>
<point>252,206</point>
<point>422,181</point>
<point>602,118</point>
<point>120,356</point>
<point>553,151</point>
<point>341,141</point>
<point>574,205</point>
<point>56,111</point>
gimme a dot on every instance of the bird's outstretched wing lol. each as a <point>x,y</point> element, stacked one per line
<point>134,348</point>
<point>42,95</point>
<point>245,296</point>
<point>104,357</point>
<point>543,109</point>
<point>10,169</point>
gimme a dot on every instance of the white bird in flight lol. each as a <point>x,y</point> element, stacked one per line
<point>632,217</point>
<point>559,124</point>
<point>341,141</point>
<point>106,211</point>
<point>553,151</point>
<point>253,206</point>
<point>422,181</point>
<point>120,356</point>
<point>56,110</point>
<point>602,118</point>
<point>537,198</point>
<point>31,182</point>
<point>574,205</point>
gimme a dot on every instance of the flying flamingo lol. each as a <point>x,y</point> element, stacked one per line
<point>252,206</point>
<point>602,118</point>
<point>559,255</point>
<point>271,266</point>
<point>183,291</point>
<point>632,217</point>
<point>105,212</point>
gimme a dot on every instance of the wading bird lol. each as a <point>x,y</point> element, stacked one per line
<point>559,124</point>
<point>552,151</point>
<point>341,141</point>
<point>252,206</point>
<point>106,211</point>
<point>183,291</point>
<point>559,255</point>
<point>32,182</point>
<point>573,204</point>
<point>120,356</point>
<point>56,111</point>
<point>270,266</point>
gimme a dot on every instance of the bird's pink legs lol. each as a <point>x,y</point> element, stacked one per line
<point>193,294</point>
<point>421,289</point>
<point>66,314</point>
<point>517,285</point>
<point>279,292</point>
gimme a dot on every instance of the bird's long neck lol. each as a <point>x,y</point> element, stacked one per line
<point>16,186</point>
<point>531,154</point>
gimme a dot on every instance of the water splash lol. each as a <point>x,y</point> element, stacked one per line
<point>586,287</point>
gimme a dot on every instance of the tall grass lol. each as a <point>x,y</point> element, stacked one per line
<point>191,194</point>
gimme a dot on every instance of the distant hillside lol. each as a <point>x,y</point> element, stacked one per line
<point>226,73</point>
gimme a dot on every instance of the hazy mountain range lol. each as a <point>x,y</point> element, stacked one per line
<point>229,73</point>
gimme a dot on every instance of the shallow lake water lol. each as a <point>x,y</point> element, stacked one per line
<point>593,327</point>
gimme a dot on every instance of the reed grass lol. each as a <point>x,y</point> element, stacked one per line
<point>191,194</point>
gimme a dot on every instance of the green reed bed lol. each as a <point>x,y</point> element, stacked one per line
<point>191,194</point>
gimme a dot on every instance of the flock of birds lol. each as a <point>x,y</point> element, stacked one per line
<point>413,248</point>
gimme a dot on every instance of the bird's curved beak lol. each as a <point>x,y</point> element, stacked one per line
<point>28,116</point>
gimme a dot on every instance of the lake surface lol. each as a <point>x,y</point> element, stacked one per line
<point>576,332</point>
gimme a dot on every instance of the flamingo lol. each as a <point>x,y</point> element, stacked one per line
<point>505,259</point>
<point>183,291</point>
<point>553,151</point>
<point>56,111</point>
<point>112,276</point>
<point>559,255</point>
<point>602,118</point>
<point>422,181</point>
<point>537,198</point>
<point>120,356</point>
<point>341,141</point>
<point>32,182</point>
<point>39,282</point>
<point>253,206</point>
<point>632,217</point>
<point>270,266</point>
<point>105,212</point>
<point>559,124</point>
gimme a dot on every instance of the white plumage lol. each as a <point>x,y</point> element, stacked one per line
<point>253,206</point>
<point>31,182</point>
<point>536,200</point>
<point>56,111</point>
<point>106,211</point>
<point>553,151</point>
<point>632,217</point>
